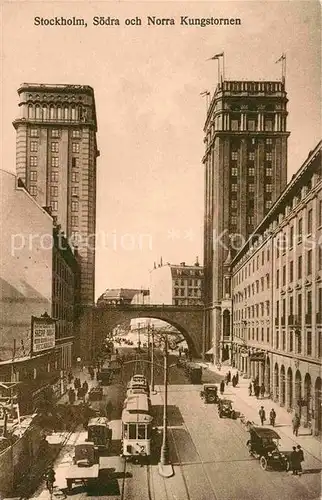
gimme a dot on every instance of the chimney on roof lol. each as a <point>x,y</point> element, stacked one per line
<point>197,261</point>
<point>182,264</point>
<point>161,263</point>
<point>154,265</point>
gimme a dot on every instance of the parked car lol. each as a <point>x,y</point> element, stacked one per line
<point>225,409</point>
<point>209,393</point>
<point>263,443</point>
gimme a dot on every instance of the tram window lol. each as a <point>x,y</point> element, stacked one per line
<point>125,431</point>
<point>141,431</point>
<point>132,431</point>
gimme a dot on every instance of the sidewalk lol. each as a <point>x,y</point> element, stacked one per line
<point>249,406</point>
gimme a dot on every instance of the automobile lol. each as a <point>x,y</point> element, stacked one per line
<point>225,409</point>
<point>263,443</point>
<point>209,393</point>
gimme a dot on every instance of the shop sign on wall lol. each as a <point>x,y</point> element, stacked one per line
<point>43,332</point>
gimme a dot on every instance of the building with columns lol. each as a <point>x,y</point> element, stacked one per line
<point>245,164</point>
<point>56,154</point>
<point>277,297</point>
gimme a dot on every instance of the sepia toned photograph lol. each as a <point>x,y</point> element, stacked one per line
<point>160,250</point>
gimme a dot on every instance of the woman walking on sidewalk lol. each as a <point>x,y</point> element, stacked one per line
<point>222,387</point>
<point>250,389</point>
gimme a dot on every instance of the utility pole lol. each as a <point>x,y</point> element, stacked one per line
<point>152,361</point>
<point>164,459</point>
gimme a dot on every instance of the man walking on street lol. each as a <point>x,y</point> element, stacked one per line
<point>300,456</point>
<point>262,415</point>
<point>296,424</point>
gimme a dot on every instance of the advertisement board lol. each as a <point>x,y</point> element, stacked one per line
<point>43,332</point>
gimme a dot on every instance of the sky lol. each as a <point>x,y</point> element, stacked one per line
<point>147,82</point>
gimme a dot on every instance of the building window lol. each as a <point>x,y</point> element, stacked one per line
<point>33,161</point>
<point>54,205</point>
<point>54,147</point>
<point>233,219</point>
<point>299,267</point>
<point>74,220</point>
<point>283,340</point>
<point>320,213</point>
<point>268,204</point>
<point>54,176</point>
<point>309,221</point>
<point>53,191</point>
<point>74,206</point>
<point>309,343</point>
<point>250,220</point>
<point>291,341</point>
<point>33,175</point>
<point>268,171</point>
<point>277,340</point>
<point>291,272</point>
<point>269,141</point>
<point>75,162</point>
<point>268,188</point>
<point>267,335</point>
<point>300,229</point>
<point>251,155</point>
<point>74,190</point>
<point>54,161</point>
<point>284,275</point>
<point>234,125</point>
<point>74,176</point>
<point>234,187</point>
<point>309,262</point>
<point>75,147</point>
<point>268,156</point>
<point>76,134</point>
<point>55,132</point>
<point>33,146</point>
<point>33,132</point>
<point>234,171</point>
<point>251,188</point>
<point>277,278</point>
<point>299,306</point>
<point>251,125</point>
<point>251,171</point>
<point>233,204</point>
<point>33,190</point>
<point>319,257</point>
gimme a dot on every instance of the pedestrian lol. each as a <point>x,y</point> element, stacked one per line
<point>300,456</point>
<point>250,389</point>
<point>237,378</point>
<point>262,415</point>
<point>272,417</point>
<point>296,424</point>
<point>71,396</point>
<point>262,390</point>
<point>295,461</point>
<point>256,390</point>
<point>229,376</point>
<point>226,379</point>
<point>85,387</point>
<point>222,387</point>
<point>233,381</point>
<point>80,393</point>
<point>70,377</point>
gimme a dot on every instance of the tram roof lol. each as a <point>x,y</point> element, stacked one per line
<point>139,418</point>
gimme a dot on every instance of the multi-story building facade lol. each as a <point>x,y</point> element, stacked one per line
<point>65,299</point>
<point>176,284</point>
<point>56,154</point>
<point>245,171</point>
<point>277,297</point>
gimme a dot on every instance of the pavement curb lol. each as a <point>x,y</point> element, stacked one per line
<point>166,470</point>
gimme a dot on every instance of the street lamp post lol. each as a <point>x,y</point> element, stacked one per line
<point>139,338</point>
<point>164,458</point>
<point>152,361</point>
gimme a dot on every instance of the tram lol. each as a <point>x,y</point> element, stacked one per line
<point>99,433</point>
<point>136,434</point>
<point>108,370</point>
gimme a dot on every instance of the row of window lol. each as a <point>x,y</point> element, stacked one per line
<point>54,206</point>
<point>191,292</point>
<point>291,307</point>
<point>290,278</point>
<point>51,112</point>
<point>251,187</point>
<point>250,171</point>
<point>53,191</point>
<point>187,282</point>
<point>54,132</point>
<point>54,161</point>
<point>253,312</point>
<point>192,272</point>
<point>251,155</point>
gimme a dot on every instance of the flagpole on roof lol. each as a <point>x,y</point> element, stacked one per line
<point>223,67</point>
<point>282,59</point>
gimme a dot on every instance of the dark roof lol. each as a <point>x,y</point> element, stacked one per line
<point>120,293</point>
<point>264,432</point>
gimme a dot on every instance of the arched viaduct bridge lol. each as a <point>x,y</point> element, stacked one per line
<point>97,322</point>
